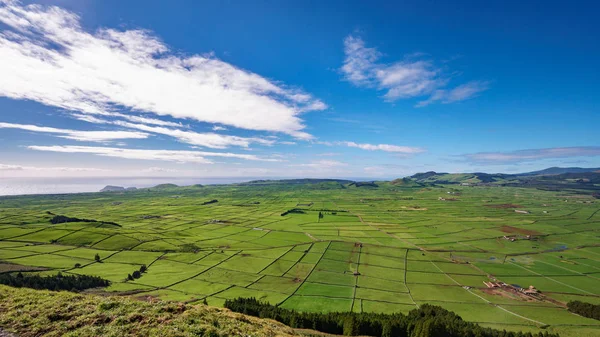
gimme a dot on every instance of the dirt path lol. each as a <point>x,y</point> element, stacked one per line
<point>311,237</point>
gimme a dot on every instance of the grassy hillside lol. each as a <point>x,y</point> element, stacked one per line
<point>549,179</point>
<point>44,313</point>
<point>384,249</point>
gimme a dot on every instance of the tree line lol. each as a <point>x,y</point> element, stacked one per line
<point>427,321</point>
<point>54,282</point>
<point>58,219</point>
<point>293,210</point>
<point>588,310</point>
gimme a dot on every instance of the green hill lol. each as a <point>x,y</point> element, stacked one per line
<point>29,312</point>
<point>164,186</point>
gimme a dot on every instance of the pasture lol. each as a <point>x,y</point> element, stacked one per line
<point>384,249</point>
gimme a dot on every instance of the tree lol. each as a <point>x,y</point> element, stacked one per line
<point>143,268</point>
<point>77,265</point>
<point>350,326</point>
<point>97,258</point>
<point>129,277</point>
<point>136,274</point>
<point>204,301</point>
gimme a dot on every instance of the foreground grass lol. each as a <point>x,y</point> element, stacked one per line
<point>45,313</point>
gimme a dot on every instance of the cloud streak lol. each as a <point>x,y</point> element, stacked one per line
<point>323,164</point>
<point>83,136</point>
<point>384,147</point>
<point>208,139</point>
<point>408,78</point>
<point>532,154</point>
<point>460,93</point>
<point>49,58</point>
<point>6,167</point>
<point>179,156</point>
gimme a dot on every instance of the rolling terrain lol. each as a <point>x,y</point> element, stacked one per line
<point>331,245</point>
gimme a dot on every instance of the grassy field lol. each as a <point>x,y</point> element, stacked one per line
<point>44,313</point>
<point>383,249</point>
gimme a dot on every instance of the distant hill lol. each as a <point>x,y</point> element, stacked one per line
<point>421,176</point>
<point>561,170</point>
<point>296,181</point>
<point>405,182</point>
<point>163,186</point>
<point>553,178</point>
<point>458,178</point>
<point>111,188</point>
<point>363,184</point>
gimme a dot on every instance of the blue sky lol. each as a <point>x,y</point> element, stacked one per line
<point>296,89</point>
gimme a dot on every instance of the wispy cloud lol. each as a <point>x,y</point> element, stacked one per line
<point>218,128</point>
<point>384,147</point>
<point>207,139</point>
<point>532,154</point>
<point>460,93</point>
<point>323,164</point>
<point>155,169</point>
<point>89,136</point>
<point>179,156</point>
<point>49,58</point>
<point>412,77</point>
<point>6,167</point>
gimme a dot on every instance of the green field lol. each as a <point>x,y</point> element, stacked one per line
<point>383,249</point>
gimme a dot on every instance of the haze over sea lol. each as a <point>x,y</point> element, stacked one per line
<point>18,186</point>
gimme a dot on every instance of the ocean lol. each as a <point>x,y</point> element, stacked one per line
<point>19,186</point>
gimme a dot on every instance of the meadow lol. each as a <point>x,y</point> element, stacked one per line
<point>326,246</point>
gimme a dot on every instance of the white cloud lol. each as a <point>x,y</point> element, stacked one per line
<point>219,128</point>
<point>89,136</point>
<point>180,156</point>
<point>323,164</point>
<point>159,170</point>
<point>5,167</point>
<point>211,140</point>
<point>287,143</point>
<point>408,78</point>
<point>49,58</point>
<point>533,154</point>
<point>460,93</point>
<point>146,120</point>
<point>384,147</point>
<point>137,119</point>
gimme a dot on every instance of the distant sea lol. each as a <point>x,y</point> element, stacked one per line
<point>18,186</point>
